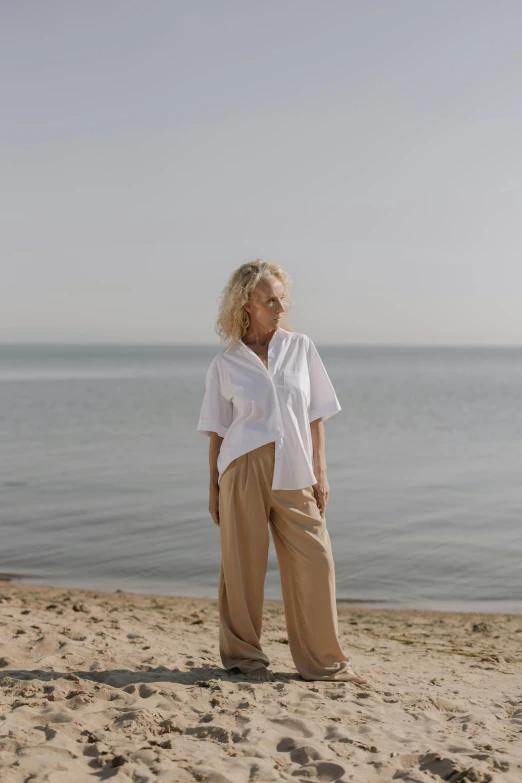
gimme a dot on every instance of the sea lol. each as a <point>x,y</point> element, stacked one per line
<point>104,478</point>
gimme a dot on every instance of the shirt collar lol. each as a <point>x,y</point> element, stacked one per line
<point>241,345</point>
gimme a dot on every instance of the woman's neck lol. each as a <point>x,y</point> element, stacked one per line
<point>258,337</point>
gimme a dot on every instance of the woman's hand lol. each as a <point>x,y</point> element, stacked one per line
<point>321,492</point>
<point>213,503</point>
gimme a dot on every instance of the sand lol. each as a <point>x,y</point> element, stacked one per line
<point>129,687</point>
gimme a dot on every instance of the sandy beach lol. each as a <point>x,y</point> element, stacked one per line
<point>129,687</point>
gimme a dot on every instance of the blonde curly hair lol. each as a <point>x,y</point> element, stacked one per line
<point>233,320</point>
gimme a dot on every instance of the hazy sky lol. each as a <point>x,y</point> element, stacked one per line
<point>370,147</point>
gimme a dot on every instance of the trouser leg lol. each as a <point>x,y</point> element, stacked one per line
<point>243,512</point>
<point>307,570</point>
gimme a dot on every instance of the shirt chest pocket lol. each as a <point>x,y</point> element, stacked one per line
<point>296,383</point>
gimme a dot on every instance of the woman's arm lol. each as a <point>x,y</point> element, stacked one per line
<point>213,453</point>
<point>322,488</point>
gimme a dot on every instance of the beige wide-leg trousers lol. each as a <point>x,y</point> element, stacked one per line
<point>247,506</point>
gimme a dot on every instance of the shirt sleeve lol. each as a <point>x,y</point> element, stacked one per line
<point>216,410</point>
<point>323,400</point>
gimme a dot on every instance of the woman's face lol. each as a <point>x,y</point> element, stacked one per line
<point>266,305</point>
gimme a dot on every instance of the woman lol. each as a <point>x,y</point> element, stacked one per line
<point>266,398</point>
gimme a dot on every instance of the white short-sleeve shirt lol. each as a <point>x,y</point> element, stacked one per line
<point>250,405</point>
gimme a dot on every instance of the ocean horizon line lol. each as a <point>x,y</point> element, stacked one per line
<point>162,344</point>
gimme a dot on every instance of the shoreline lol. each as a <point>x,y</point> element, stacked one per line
<point>370,603</point>
<point>131,686</point>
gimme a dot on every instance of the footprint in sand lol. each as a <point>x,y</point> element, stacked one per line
<point>208,774</point>
<point>447,769</point>
<point>305,754</point>
<point>146,691</point>
<point>214,733</point>
<point>311,765</point>
<point>295,725</point>
<point>323,771</point>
